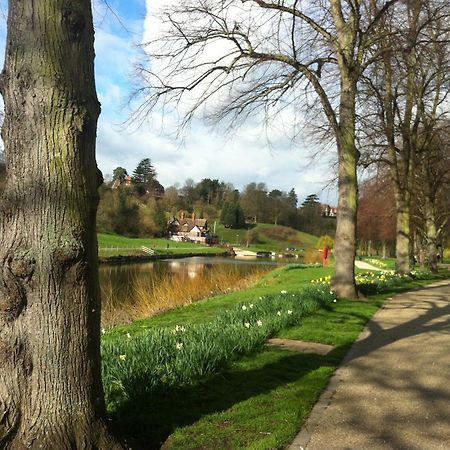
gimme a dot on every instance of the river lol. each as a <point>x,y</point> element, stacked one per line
<point>131,291</point>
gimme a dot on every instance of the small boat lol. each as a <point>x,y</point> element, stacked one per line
<point>239,253</point>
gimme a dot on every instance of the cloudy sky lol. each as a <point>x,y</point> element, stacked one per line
<point>241,158</point>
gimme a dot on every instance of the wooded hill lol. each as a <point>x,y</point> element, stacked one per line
<point>138,205</point>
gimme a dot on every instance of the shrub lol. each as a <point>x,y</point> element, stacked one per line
<point>312,256</point>
<point>325,241</point>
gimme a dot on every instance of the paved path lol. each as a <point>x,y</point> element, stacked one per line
<point>393,389</point>
<point>367,266</point>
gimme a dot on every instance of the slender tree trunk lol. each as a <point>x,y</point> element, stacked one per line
<point>431,236</point>
<point>402,244</point>
<point>405,164</point>
<point>343,281</point>
<point>50,375</point>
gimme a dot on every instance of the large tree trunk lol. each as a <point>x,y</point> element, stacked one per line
<point>343,281</point>
<point>50,376</point>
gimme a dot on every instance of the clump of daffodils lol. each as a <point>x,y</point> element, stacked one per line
<point>322,280</point>
<point>178,329</point>
<point>377,263</point>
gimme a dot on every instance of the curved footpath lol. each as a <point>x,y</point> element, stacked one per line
<point>392,391</point>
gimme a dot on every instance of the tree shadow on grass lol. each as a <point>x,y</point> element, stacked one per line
<point>146,422</point>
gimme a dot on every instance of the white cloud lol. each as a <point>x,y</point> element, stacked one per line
<point>240,159</point>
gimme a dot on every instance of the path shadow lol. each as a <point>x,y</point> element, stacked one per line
<point>378,337</point>
<point>392,389</point>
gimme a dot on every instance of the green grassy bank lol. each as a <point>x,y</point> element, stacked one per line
<point>268,238</point>
<point>114,245</point>
<point>259,397</point>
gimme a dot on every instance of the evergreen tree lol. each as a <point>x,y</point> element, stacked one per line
<point>144,176</point>
<point>292,198</point>
<point>232,215</point>
<point>311,200</point>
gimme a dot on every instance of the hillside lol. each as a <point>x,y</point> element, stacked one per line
<point>266,237</point>
<point>261,237</point>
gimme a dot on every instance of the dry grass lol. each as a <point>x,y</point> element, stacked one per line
<point>280,233</point>
<point>113,311</point>
<point>153,295</point>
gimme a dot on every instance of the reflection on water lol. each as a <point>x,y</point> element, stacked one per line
<point>137,290</point>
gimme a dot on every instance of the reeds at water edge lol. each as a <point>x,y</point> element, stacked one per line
<point>149,296</point>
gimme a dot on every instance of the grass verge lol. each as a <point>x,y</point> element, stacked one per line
<point>258,401</point>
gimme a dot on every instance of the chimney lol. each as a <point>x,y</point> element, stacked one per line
<point>182,215</point>
<point>193,216</point>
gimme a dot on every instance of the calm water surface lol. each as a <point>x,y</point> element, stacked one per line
<point>117,280</point>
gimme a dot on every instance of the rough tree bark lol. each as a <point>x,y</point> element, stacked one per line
<point>50,375</point>
<point>431,236</point>
<point>402,243</point>
<point>343,281</point>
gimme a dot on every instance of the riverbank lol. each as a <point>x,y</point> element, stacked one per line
<point>129,259</point>
<point>259,400</point>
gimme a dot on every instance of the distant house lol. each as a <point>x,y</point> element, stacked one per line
<point>192,229</point>
<point>328,211</point>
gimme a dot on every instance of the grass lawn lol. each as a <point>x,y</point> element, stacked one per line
<point>382,263</point>
<point>114,244</point>
<point>259,401</point>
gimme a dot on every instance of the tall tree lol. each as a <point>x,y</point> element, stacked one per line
<point>264,54</point>
<point>376,213</point>
<point>50,384</point>
<point>119,174</point>
<point>254,202</point>
<point>407,88</point>
<point>432,187</point>
<point>292,198</point>
<point>144,177</point>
